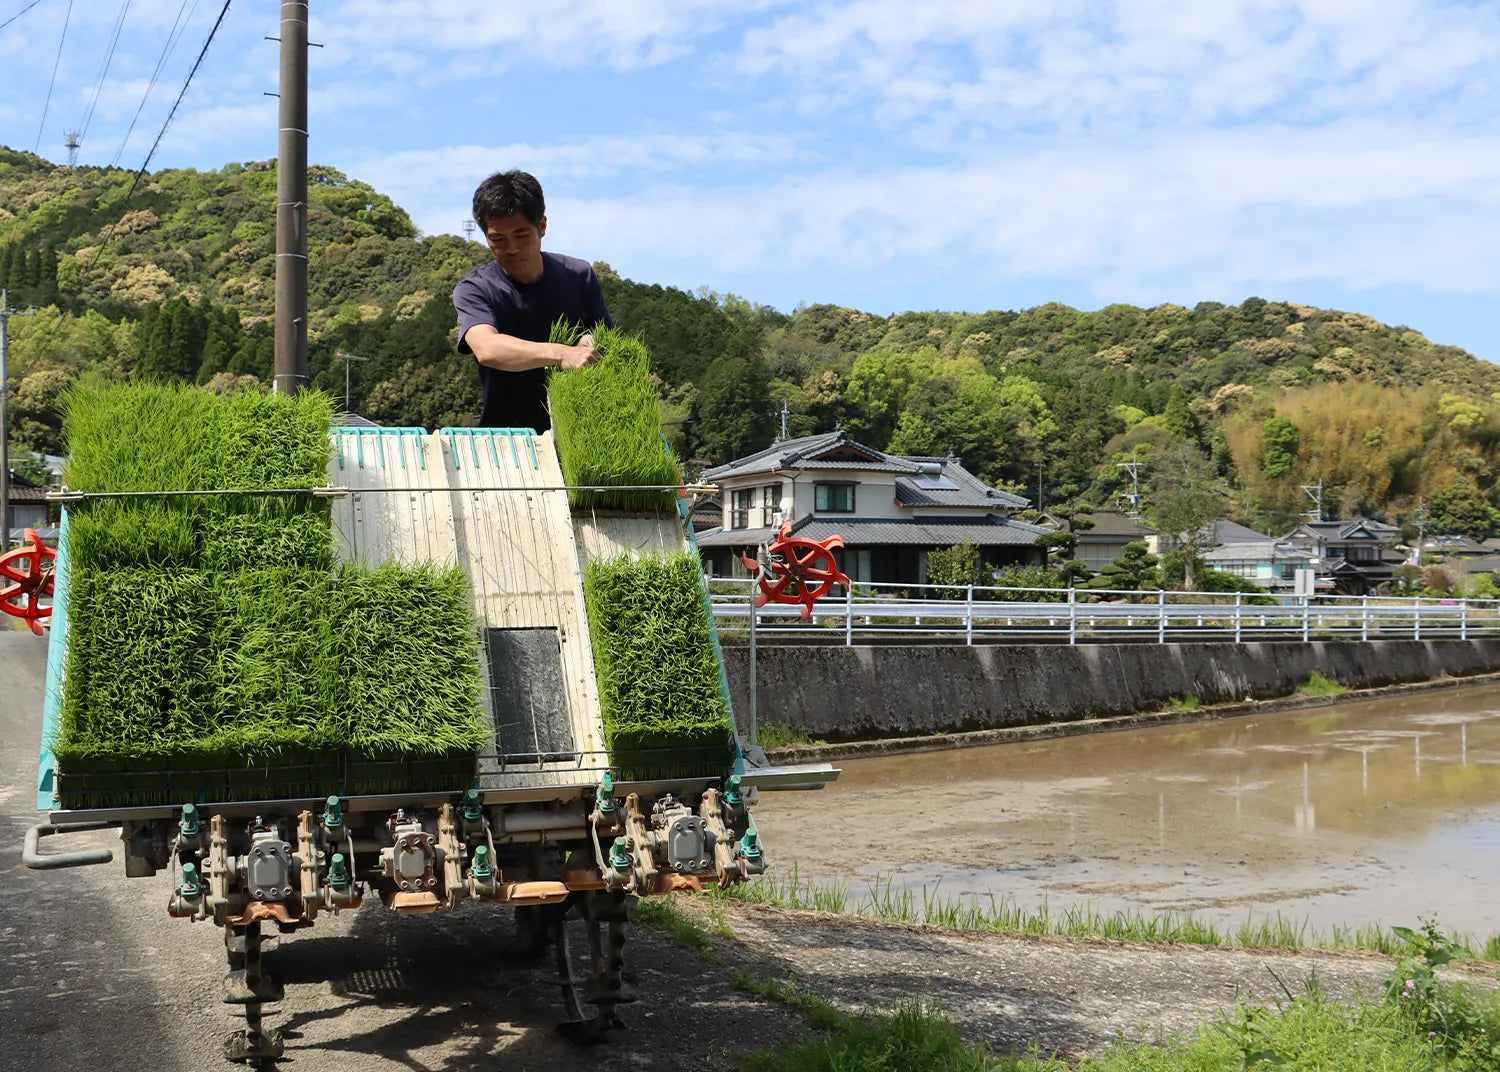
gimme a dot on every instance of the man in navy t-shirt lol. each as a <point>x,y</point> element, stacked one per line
<point>506,308</point>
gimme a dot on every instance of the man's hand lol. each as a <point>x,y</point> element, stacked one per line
<point>575,357</point>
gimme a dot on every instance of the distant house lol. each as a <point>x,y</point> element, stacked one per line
<point>890,509</point>
<point>1348,556</point>
<point>1105,541</point>
<point>1272,564</point>
<point>28,510</point>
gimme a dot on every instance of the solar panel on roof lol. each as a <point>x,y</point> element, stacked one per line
<point>934,482</point>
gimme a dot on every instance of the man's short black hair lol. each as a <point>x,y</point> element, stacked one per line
<point>506,193</point>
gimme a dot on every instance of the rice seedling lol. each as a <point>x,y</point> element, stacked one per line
<point>606,424</point>
<point>659,686</point>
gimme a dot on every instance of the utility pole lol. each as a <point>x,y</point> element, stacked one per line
<point>291,203</point>
<point>72,146</point>
<point>1133,497</point>
<point>346,358</point>
<point>1039,504</point>
<point>468,230</point>
<point>6,312</point>
<point>1315,493</point>
<point>785,413</point>
<point>1421,529</point>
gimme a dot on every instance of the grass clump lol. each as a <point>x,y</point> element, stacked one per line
<point>659,685</point>
<point>1318,685</point>
<point>1189,702</point>
<point>607,426</point>
<point>913,1039</point>
<point>779,735</point>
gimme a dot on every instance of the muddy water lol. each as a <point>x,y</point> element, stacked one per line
<point>1369,812</point>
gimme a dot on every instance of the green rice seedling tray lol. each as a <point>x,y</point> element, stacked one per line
<point>660,691</point>
<point>212,648</point>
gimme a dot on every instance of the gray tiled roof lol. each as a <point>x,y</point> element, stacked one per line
<point>1264,549</point>
<point>791,453</point>
<point>1110,523</point>
<point>970,490</point>
<point>867,532</point>
<point>1226,531</point>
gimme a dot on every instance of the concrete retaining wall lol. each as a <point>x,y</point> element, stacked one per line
<point>849,693</point>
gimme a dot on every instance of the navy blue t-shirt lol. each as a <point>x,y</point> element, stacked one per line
<point>568,289</point>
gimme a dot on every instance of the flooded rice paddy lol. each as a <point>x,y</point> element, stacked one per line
<point>1359,813</point>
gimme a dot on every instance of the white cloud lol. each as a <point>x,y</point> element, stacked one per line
<point>436,185</point>
<point>1077,63</point>
<point>473,38</point>
<point>1208,213</point>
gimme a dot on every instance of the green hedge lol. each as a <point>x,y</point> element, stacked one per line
<point>607,427</point>
<point>659,684</point>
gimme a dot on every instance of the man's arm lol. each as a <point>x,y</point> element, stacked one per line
<point>510,354</point>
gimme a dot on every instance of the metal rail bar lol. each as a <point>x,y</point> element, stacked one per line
<point>67,495</point>
<point>965,617</point>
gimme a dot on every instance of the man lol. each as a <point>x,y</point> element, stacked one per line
<point>506,308</point>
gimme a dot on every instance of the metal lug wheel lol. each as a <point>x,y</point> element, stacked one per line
<point>589,943</point>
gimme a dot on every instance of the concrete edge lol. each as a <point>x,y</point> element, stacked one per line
<point>941,742</point>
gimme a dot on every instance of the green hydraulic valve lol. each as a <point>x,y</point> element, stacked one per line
<point>732,795</point>
<point>338,872</point>
<point>188,824</point>
<point>190,887</point>
<point>333,813</point>
<point>480,867</point>
<point>750,846</point>
<point>619,855</point>
<point>473,806</point>
<point>604,796</point>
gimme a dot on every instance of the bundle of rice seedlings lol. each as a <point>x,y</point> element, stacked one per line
<point>659,686</point>
<point>605,420</point>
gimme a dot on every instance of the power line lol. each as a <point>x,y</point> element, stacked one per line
<point>109,55</point>
<point>61,41</point>
<point>18,14</point>
<point>173,36</point>
<point>168,122</point>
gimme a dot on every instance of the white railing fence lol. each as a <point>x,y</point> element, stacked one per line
<point>949,614</point>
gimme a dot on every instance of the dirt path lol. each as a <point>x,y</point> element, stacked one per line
<point>1064,995</point>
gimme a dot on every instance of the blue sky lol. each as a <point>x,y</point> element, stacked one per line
<point>882,154</point>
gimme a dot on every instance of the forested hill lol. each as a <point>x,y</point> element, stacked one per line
<point>176,282</point>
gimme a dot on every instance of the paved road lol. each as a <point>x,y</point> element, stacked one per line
<point>95,975</point>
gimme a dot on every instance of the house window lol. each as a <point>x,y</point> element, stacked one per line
<point>770,502</point>
<point>740,504</point>
<point>834,498</point>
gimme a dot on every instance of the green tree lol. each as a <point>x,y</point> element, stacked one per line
<point>1179,417</point>
<point>734,409</point>
<point>1462,508</point>
<point>1279,437</point>
<point>958,566</point>
<point>1185,501</point>
<point>1134,571</point>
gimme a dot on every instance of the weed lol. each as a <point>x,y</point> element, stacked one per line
<point>1189,702</point>
<point>778,735</point>
<point>1318,685</point>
